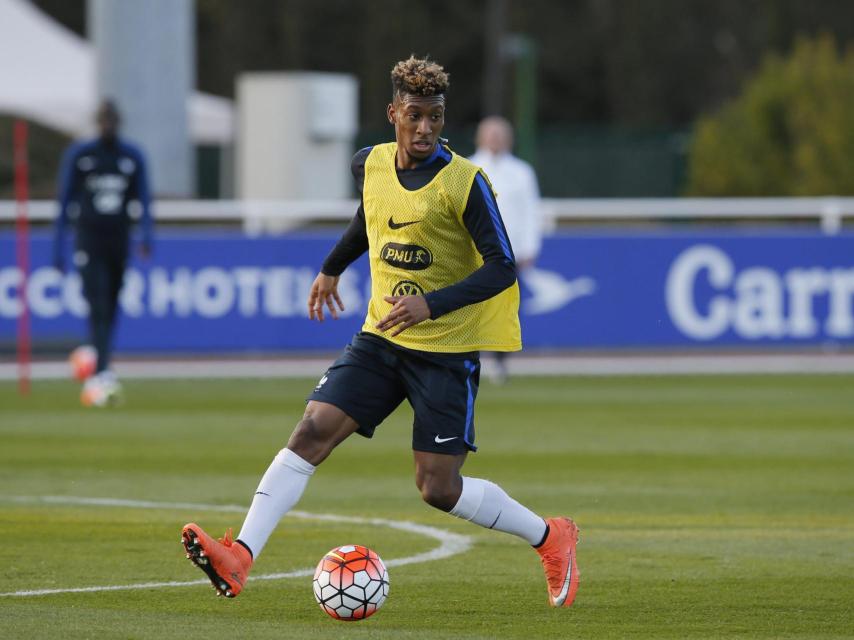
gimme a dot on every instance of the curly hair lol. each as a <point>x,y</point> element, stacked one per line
<point>419,77</point>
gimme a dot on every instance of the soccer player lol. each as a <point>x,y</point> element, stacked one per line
<point>443,287</point>
<point>99,180</point>
<point>519,197</point>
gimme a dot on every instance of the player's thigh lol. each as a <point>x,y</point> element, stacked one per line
<point>89,269</point>
<point>363,383</point>
<point>442,396</point>
<point>116,275</point>
<point>95,276</point>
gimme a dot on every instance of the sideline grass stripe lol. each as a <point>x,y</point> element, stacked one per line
<point>450,543</point>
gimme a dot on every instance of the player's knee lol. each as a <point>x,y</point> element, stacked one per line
<point>439,493</point>
<point>321,429</point>
<point>308,441</point>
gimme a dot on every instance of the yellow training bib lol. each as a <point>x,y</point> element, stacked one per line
<point>417,244</point>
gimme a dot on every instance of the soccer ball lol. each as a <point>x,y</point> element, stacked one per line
<point>350,583</point>
<point>83,361</point>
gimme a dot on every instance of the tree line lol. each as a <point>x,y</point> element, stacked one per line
<point>631,64</point>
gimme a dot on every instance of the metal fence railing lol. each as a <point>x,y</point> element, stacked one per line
<point>258,215</point>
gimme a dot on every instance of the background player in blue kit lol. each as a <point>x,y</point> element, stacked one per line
<point>99,181</point>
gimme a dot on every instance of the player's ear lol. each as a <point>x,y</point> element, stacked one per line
<point>390,112</point>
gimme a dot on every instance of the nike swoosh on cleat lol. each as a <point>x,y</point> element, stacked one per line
<point>399,225</point>
<point>439,440</point>
<point>561,597</point>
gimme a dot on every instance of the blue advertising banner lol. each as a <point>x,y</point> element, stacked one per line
<point>223,291</point>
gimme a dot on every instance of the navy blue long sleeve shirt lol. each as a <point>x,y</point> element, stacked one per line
<point>481,218</point>
<point>99,179</point>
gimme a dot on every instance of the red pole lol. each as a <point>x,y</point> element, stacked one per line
<point>22,245</point>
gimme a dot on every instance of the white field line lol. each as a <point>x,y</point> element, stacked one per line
<point>450,543</point>
<point>544,365</point>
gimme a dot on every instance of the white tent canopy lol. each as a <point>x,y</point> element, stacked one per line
<point>47,74</point>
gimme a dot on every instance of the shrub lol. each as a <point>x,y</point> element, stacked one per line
<point>790,133</point>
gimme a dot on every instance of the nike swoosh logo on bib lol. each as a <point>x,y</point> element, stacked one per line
<point>399,225</point>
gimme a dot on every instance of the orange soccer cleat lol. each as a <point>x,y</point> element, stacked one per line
<point>225,562</point>
<point>558,556</point>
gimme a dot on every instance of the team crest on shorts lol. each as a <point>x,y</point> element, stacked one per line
<point>407,288</point>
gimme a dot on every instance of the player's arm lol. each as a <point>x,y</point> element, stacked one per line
<point>67,194</point>
<point>143,196</point>
<point>324,289</point>
<point>354,242</point>
<point>531,230</point>
<point>139,191</point>
<point>498,272</point>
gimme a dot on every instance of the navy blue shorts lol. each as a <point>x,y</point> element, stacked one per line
<point>373,376</point>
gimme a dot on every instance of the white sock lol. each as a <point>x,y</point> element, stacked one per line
<point>279,490</point>
<point>485,503</point>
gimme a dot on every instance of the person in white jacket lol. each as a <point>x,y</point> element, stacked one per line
<point>518,196</point>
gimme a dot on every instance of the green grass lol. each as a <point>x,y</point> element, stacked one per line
<point>710,507</point>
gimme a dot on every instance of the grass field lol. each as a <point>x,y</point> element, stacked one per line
<point>709,507</point>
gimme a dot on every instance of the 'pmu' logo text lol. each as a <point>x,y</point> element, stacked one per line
<point>406,256</point>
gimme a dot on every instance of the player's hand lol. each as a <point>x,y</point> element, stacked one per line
<point>405,312</point>
<point>324,290</point>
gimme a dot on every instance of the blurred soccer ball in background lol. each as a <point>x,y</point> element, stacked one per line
<point>350,583</point>
<point>83,361</point>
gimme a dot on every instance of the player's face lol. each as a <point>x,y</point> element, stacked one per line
<point>108,122</point>
<point>494,136</point>
<point>418,121</point>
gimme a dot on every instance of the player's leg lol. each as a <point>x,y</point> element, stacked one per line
<point>500,372</point>
<point>354,395</point>
<point>92,275</point>
<point>108,265</point>
<point>442,435</point>
<point>102,270</point>
<point>486,504</point>
<point>442,393</point>
<point>95,273</point>
<point>114,273</point>
<point>322,428</point>
<point>357,393</point>
<point>438,478</point>
<point>227,562</point>
<point>482,502</point>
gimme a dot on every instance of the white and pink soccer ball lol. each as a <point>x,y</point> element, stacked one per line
<point>350,583</point>
<point>83,361</point>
